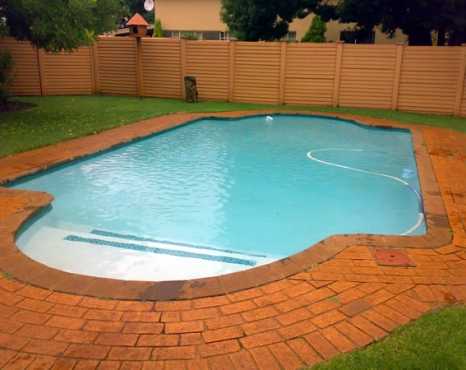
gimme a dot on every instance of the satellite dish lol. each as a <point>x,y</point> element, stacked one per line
<point>149,5</point>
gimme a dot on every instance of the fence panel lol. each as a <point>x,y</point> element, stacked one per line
<point>419,79</point>
<point>208,61</point>
<point>310,73</point>
<point>67,73</point>
<point>367,76</point>
<point>429,78</point>
<point>463,104</point>
<point>257,72</point>
<point>462,86</point>
<point>26,74</point>
<point>161,65</point>
<point>117,65</point>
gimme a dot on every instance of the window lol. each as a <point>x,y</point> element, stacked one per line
<point>224,36</point>
<point>357,37</point>
<point>196,35</point>
<point>290,36</point>
<point>211,35</point>
<point>172,34</point>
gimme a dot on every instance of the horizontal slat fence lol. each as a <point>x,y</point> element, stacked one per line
<point>67,73</point>
<point>367,75</point>
<point>429,79</point>
<point>209,62</point>
<point>463,101</point>
<point>256,72</point>
<point>116,62</point>
<point>310,73</point>
<point>26,72</point>
<point>417,79</point>
<point>161,66</point>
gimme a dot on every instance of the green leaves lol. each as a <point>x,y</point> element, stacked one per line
<point>137,6</point>
<point>266,20</point>
<point>158,30</point>
<point>316,32</point>
<point>57,25</point>
<point>6,64</point>
<point>416,18</point>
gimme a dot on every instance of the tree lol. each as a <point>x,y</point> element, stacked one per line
<point>418,19</point>
<point>56,25</point>
<point>189,36</point>
<point>3,27</point>
<point>253,20</point>
<point>452,24</point>
<point>158,29</point>
<point>6,65</point>
<point>316,32</point>
<point>137,6</point>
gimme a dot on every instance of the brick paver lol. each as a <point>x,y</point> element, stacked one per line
<point>339,305</point>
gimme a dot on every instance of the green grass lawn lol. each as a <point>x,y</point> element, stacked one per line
<point>59,118</point>
<point>436,341</point>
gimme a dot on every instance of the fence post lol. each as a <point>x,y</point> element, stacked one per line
<point>231,67</point>
<point>336,83</point>
<point>284,47</point>
<point>183,66</point>
<point>40,63</point>
<point>400,49</point>
<point>139,77</point>
<point>461,82</point>
<point>95,67</point>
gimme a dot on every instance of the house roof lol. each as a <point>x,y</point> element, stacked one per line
<point>137,20</point>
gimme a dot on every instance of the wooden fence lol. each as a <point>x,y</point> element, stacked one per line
<point>419,79</point>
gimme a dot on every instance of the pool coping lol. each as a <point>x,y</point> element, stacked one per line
<point>14,263</point>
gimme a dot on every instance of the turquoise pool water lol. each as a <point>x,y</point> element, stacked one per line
<point>217,196</point>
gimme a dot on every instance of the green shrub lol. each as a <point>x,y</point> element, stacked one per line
<point>6,65</point>
<point>316,32</point>
<point>3,27</point>
<point>189,36</point>
<point>158,30</point>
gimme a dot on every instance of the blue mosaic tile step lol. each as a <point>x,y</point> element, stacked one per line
<point>142,239</point>
<point>169,252</point>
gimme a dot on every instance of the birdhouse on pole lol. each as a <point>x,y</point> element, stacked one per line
<point>137,26</point>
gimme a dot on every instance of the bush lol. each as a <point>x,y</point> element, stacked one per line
<point>158,30</point>
<point>316,32</point>
<point>189,36</point>
<point>6,65</point>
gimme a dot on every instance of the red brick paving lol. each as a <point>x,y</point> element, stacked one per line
<point>333,307</point>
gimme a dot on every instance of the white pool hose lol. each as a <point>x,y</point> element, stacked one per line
<point>420,218</point>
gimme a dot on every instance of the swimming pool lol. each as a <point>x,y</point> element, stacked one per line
<point>218,196</point>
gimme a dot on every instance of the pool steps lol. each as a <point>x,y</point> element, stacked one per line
<point>102,238</point>
<point>144,239</point>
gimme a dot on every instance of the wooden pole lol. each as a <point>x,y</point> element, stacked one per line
<point>139,72</point>
<point>183,66</point>
<point>231,66</point>
<point>95,67</point>
<point>284,47</point>
<point>336,83</point>
<point>461,82</point>
<point>400,49</point>
<point>40,63</point>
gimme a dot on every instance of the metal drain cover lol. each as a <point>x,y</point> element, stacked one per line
<point>392,257</point>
